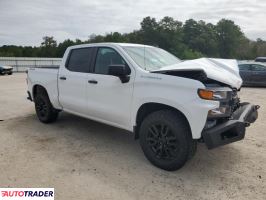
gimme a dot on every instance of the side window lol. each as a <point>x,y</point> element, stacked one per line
<point>79,60</point>
<point>244,67</point>
<point>106,57</point>
<point>258,68</point>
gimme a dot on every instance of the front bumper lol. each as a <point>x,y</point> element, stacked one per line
<point>232,130</point>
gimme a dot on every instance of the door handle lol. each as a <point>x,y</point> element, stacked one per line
<point>62,78</point>
<point>92,81</point>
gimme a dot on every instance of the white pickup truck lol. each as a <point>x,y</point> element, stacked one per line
<point>168,104</point>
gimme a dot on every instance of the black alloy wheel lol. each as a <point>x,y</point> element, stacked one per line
<point>166,139</point>
<point>162,141</point>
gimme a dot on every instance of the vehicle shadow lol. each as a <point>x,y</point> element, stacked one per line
<point>85,147</point>
<point>81,135</point>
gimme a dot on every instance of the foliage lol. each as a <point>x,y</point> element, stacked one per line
<point>190,40</point>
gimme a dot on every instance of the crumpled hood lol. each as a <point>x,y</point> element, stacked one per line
<point>222,70</point>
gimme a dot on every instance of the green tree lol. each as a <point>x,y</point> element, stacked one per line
<point>194,39</point>
<point>201,37</point>
<point>170,34</point>
<point>149,31</point>
<point>229,38</point>
<point>48,47</point>
<point>114,37</point>
<point>63,46</point>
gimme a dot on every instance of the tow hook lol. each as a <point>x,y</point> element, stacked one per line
<point>255,108</point>
<point>252,116</point>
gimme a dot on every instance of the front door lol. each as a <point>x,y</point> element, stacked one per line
<point>109,99</point>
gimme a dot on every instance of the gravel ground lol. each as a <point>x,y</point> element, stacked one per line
<point>83,159</point>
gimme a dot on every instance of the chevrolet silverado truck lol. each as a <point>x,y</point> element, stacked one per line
<point>168,104</point>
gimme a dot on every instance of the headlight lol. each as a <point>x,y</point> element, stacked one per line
<point>213,94</point>
<point>221,94</point>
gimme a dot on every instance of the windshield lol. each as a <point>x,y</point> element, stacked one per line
<point>151,58</point>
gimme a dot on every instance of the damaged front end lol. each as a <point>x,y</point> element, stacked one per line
<point>228,122</point>
<point>231,129</point>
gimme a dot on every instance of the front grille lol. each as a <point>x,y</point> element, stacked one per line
<point>231,103</point>
<point>235,101</point>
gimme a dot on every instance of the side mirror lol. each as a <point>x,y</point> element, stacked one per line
<point>119,71</point>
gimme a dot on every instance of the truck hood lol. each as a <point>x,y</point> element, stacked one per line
<point>222,70</point>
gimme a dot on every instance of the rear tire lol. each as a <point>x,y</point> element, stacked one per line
<point>166,140</point>
<point>45,111</point>
<point>10,73</point>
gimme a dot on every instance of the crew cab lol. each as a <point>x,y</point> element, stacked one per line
<point>168,104</point>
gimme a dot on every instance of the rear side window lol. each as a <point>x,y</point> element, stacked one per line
<point>79,60</point>
<point>244,67</point>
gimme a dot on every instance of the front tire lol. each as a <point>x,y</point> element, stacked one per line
<point>166,140</point>
<point>44,109</point>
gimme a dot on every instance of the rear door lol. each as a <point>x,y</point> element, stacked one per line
<point>245,73</point>
<point>258,74</point>
<point>72,80</point>
<point>109,100</point>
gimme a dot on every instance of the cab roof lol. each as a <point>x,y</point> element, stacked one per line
<point>108,44</point>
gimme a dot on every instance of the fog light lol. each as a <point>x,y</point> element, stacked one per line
<point>217,112</point>
<point>210,124</point>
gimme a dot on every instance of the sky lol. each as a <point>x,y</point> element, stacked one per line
<point>25,22</point>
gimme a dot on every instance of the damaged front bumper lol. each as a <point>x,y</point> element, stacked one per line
<point>233,129</point>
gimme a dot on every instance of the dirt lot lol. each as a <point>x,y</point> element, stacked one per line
<point>83,159</point>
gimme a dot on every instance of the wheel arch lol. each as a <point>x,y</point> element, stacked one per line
<point>150,107</point>
<point>38,88</point>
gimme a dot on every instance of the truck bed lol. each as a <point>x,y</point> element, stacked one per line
<point>46,77</point>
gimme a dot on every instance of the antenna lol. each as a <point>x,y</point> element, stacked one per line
<point>145,57</point>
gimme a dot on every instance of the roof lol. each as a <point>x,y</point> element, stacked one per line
<point>110,44</point>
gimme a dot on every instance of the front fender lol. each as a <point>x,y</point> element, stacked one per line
<point>195,112</point>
